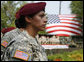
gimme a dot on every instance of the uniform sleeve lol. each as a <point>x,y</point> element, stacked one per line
<point>4,42</point>
<point>5,39</point>
<point>21,52</point>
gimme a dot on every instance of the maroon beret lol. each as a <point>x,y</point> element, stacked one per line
<point>5,30</point>
<point>30,8</point>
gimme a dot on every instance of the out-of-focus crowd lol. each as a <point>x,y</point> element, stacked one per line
<point>48,39</point>
<point>1,35</point>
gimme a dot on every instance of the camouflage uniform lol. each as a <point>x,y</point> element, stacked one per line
<point>26,45</point>
<point>8,37</point>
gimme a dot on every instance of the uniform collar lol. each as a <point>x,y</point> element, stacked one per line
<point>27,35</point>
<point>18,30</point>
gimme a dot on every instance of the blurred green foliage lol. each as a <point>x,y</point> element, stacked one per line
<point>42,32</point>
<point>77,8</point>
<point>76,55</point>
<point>8,10</point>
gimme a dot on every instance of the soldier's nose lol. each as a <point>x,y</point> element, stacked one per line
<point>45,19</point>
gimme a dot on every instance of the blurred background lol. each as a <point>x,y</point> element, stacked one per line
<point>75,43</point>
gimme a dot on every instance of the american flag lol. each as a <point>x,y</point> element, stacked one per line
<point>63,25</point>
<point>21,55</point>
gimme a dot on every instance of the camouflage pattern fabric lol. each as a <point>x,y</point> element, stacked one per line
<point>25,48</point>
<point>8,37</point>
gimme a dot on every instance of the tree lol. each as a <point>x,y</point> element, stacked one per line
<point>42,32</point>
<point>8,10</point>
<point>77,8</point>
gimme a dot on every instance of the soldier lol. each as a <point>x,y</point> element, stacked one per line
<point>9,34</point>
<point>5,30</point>
<point>47,40</point>
<point>40,40</point>
<point>1,34</point>
<point>51,40</point>
<point>25,47</point>
<point>43,39</point>
<point>57,37</point>
<point>5,36</point>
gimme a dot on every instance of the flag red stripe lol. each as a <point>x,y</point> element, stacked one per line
<point>64,26</point>
<point>71,23</point>
<point>62,35</point>
<point>64,30</point>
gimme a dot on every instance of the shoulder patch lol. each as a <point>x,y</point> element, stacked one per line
<point>4,43</point>
<point>21,55</point>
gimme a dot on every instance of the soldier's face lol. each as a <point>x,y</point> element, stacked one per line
<point>39,21</point>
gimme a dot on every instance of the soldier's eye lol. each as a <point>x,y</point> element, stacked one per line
<point>42,15</point>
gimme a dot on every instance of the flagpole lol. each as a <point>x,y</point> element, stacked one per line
<point>59,7</point>
<point>59,14</point>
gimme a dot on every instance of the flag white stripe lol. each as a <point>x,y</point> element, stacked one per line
<point>68,18</point>
<point>62,24</point>
<point>64,28</point>
<point>67,15</point>
<point>69,21</point>
<point>62,32</point>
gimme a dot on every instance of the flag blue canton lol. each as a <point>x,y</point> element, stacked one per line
<point>52,19</point>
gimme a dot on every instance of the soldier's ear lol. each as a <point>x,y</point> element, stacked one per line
<point>27,19</point>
